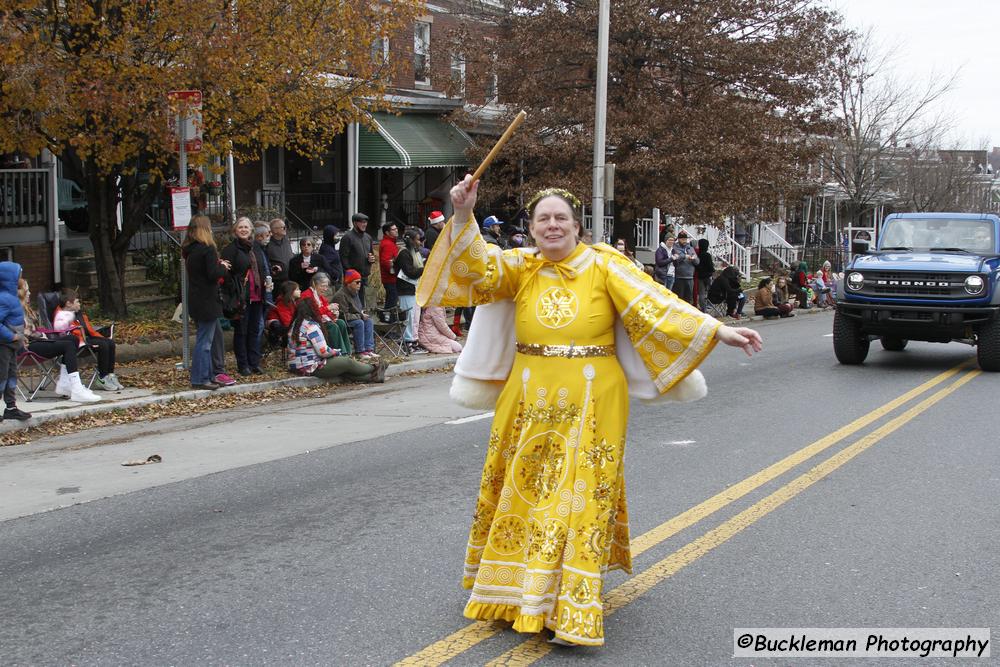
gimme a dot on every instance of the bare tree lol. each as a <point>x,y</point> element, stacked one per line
<point>880,121</point>
<point>935,179</point>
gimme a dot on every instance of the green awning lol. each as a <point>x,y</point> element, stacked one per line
<point>412,141</point>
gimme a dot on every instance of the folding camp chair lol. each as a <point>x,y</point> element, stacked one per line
<point>717,310</point>
<point>389,326</point>
<point>35,372</point>
<point>47,304</point>
<point>273,340</point>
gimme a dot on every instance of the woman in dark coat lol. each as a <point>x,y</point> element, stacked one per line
<point>329,251</point>
<point>204,270</point>
<point>249,269</point>
<point>302,267</point>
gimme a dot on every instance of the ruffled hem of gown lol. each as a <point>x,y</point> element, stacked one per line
<point>525,623</point>
<point>481,611</point>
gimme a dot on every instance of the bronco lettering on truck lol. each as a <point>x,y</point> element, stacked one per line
<point>933,277</point>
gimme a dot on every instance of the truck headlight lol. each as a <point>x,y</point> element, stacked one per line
<point>974,284</point>
<point>855,281</point>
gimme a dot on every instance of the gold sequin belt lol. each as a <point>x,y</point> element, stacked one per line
<point>566,351</point>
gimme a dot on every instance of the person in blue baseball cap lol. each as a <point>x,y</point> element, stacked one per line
<point>491,231</point>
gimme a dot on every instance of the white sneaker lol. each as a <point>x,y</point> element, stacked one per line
<point>83,395</point>
<point>63,386</point>
<point>78,392</point>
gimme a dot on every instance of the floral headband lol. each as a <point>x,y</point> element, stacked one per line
<point>558,192</point>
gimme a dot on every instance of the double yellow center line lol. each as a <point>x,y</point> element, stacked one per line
<point>537,647</point>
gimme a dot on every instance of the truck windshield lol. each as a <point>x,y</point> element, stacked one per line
<point>974,236</point>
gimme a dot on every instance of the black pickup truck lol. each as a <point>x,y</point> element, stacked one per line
<point>933,277</point>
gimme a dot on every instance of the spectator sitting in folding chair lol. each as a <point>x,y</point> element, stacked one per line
<point>69,317</point>
<point>11,337</point>
<point>361,324</point>
<point>49,345</point>
<point>726,288</point>
<point>328,314</point>
<point>280,316</point>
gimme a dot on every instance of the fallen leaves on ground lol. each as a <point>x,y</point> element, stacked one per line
<point>183,407</point>
<point>175,408</point>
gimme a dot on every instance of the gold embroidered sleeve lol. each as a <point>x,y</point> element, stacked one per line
<point>671,336</point>
<point>468,272</point>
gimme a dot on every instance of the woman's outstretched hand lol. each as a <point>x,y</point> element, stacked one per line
<point>742,337</point>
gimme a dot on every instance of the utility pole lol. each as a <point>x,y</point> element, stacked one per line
<point>600,120</point>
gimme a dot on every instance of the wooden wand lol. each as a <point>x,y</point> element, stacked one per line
<point>518,119</point>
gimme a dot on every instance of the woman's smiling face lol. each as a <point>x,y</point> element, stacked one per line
<point>554,228</point>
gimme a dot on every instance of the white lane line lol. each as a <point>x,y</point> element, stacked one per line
<point>680,443</point>
<point>473,418</point>
<point>827,335</point>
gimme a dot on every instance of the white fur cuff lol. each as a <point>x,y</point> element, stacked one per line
<point>475,394</point>
<point>691,388</point>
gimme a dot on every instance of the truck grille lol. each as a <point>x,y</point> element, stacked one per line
<point>911,284</point>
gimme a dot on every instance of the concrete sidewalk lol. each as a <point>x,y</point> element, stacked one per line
<point>48,406</point>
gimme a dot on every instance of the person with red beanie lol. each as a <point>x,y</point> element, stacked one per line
<point>388,248</point>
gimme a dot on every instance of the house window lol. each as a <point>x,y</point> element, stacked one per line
<point>458,73</point>
<point>380,51</point>
<point>492,91</point>
<point>422,53</point>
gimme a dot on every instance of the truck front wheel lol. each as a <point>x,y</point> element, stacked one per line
<point>988,345</point>
<point>893,343</point>
<point>850,344</point>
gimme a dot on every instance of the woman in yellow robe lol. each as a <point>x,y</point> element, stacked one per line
<point>551,517</point>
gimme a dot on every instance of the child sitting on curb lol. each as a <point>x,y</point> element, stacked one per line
<point>70,318</point>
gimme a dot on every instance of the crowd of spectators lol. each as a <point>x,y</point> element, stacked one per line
<point>692,274</point>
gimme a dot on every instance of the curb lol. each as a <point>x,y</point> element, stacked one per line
<point>415,365</point>
<point>434,362</point>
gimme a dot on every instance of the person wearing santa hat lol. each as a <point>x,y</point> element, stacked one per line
<point>435,222</point>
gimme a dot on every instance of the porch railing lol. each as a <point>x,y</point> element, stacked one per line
<point>727,248</point>
<point>25,197</point>
<point>646,234</point>
<point>776,246</point>
<point>609,226</point>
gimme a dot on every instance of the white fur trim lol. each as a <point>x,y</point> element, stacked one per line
<point>475,394</point>
<point>691,388</point>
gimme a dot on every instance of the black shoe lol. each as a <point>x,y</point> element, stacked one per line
<point>15,413</point>
<point>243,371</point>
<point>208,385</point>
<point>257,370</point>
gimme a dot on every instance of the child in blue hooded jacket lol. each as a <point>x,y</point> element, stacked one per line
<point>11,337</point>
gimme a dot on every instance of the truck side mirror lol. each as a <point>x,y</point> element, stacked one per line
<point>859,247</point>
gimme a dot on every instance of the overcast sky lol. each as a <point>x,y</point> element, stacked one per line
<point>939,37</point>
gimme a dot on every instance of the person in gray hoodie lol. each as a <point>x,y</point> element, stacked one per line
<point>685,259</point>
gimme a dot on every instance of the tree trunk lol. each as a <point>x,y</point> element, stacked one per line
<point>109,253</point>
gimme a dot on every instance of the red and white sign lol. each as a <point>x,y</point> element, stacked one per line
<point>188,104</point>
<point>180,207</point>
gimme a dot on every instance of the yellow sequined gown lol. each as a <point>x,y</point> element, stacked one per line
<point>551,517</point>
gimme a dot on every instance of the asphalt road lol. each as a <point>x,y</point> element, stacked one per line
<point>332,533</point>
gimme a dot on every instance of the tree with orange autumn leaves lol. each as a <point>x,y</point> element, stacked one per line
<point>88,79</point>
<point>710,104</point>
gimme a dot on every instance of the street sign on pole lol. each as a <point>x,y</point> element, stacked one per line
<point>187,126</point>
<point>180,207</point>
